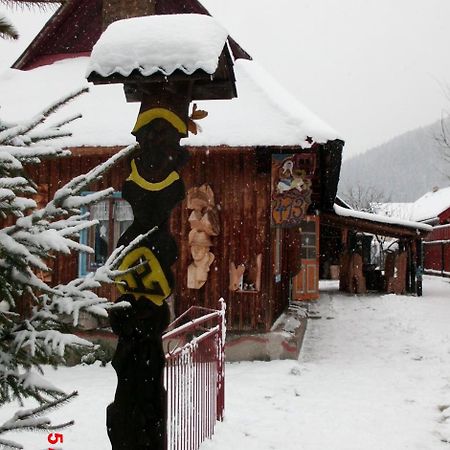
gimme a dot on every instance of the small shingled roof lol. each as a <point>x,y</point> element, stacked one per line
<point>77,25</point>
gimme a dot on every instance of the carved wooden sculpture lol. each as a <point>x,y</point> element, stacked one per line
<point>165,81</point>
<point>137,419</point>
<point>395,272</point>
<point>204,222</point>
<point>236,273</point>
<point>351,275</point>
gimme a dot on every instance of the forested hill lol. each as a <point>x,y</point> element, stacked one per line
<point>403,168</point>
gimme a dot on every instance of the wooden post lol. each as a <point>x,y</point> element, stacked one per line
<point>442,259</point>
<point>419,270</point>
<point>412,267</point>
<point>137,417</point>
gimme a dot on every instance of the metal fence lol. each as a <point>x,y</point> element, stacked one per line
<point>194,376</point>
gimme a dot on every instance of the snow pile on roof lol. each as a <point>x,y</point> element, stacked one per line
<point>399,210</point>
<point>264,113</point>
<point>430,205</point>
<point>427,207</point>
<point>344,212</point>
<point>151,44</point>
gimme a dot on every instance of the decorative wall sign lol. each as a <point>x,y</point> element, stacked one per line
<point>291,190</point>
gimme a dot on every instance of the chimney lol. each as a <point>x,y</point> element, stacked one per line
<point>124,9</point>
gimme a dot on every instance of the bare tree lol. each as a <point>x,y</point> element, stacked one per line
<point>443,135</point>
<point>364,198</point>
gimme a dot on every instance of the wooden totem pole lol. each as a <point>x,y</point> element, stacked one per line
<point>136,420</point>
<point>137,417</point>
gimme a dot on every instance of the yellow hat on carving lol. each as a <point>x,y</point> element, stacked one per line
<point>144,118</point>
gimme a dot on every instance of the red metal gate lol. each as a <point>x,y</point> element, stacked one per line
<point>194,376</point>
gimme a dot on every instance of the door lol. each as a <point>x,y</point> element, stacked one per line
<point>305,285</point>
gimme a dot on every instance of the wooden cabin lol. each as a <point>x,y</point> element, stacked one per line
<point>265,248</point>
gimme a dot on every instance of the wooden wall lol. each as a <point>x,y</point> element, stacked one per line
<point>243,198</point>
<point>124,9</point>
<point>53,174</point>
<point>437,250</point>
<point>241,187</point>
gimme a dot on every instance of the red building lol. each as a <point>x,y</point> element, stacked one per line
<point>434,208</point>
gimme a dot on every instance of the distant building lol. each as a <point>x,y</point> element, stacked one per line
<point>432,208</point>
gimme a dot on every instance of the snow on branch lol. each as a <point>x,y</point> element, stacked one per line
<point>33,420</point>
<point>29,240</point>
<point>24,128</point>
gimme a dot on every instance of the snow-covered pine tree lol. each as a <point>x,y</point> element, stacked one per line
<point>29,236</point>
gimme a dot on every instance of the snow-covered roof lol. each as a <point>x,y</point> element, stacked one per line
<point>427,207</point>
<point>151,44</point>
<point>263,114</point>
<point>344,212</point>
<point>399,210</point>
<point>430,205</point>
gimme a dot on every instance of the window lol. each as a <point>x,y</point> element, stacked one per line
<point>115,216</point>
<point>277,256</point>
<point>308,230</point>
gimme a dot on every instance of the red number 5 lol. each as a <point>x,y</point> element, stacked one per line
<point>55,438</point>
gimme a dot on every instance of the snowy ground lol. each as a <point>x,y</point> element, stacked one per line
<point>374,374</point>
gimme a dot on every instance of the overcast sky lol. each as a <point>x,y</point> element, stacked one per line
<point>370,68</point>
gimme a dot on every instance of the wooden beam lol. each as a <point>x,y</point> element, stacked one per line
<point>367,226</point>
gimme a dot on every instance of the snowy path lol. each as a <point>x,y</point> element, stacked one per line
<point>373,373</point>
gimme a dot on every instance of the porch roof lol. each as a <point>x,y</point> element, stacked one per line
<point>374,223</point>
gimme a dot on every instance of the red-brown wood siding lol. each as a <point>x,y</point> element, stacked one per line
<point>242,192</point>
<point>77,25</point>
<point>243,198</point>
<point>437,250</point>
<point>444,216</point>
<point>73,31</point>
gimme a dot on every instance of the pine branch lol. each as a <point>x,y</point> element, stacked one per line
<point>47,408</point>
<point>31,420</point>
<point>49,135</point>
<point>78,184</point>
<point>9,445</point>
<point>9,134</point>
<point>67,121</point>
<point>7,29</point>
<point>31,3</point>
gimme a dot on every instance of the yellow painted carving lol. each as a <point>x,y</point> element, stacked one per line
<point>147,185</point>
<point>148,116</point>
<point>147,280</point>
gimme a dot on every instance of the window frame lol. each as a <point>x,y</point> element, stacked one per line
<point>85,266</point>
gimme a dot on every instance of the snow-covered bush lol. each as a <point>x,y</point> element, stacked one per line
<point>29,237</point>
